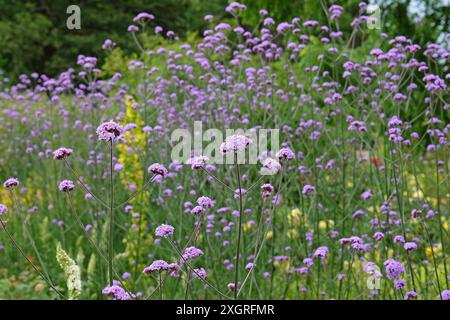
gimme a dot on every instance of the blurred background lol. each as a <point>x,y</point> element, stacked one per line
<point>34,36</point>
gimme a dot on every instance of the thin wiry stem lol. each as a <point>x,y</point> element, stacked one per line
<point>111,216</point>
<point>264,238</point>
<point>18,248</point>
<point>135,194</point>
<point>241,213</point>
<point>194,271</point>
<point>83,185</point>
<point>91,241</point>
<point>218,180</point>
<point>433,256</point>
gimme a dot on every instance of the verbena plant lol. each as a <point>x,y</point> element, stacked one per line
<point>356,207</point>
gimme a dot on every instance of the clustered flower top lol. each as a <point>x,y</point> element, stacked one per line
<point>308,190</point>
<point>239,192</point>
<point>266,190</point>
<point>285,153</point>
<point>197,210</point>
<point>66,186</point>
<point>110,131</point>
<point>62,153</point>
<point>267,187</point>
<point>235,144</point>
<point>11,182</point>
<point>143,17</point>
<point>198,162</point>
<point>270,166</point>
<point>321,252</point>
<point>158,169</point>
<point>393,269</point>
<point>3,209</point>
<point>164,231</point>
<point>116,292</point>
<point>199,273</point>
<point>159,266</point>
<point>206,202</point>
<point>191,253</point>
<point>445,295</point>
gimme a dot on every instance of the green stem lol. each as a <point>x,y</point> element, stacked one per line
<point>111,217</point>
<point>236,282</point>
<point>18,248</point>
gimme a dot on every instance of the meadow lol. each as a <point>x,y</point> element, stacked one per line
<point>93,205</point>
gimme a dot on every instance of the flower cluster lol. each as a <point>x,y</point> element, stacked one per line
<point>110,131</point>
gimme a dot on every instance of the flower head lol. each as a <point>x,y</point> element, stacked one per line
<point>158,169</point>
<point>231,286</point>
<point>445,295</point>
<point>270,166</point>
<point>197,210</point>
<point>199,273</point>
<point>285,153</point>
<point>116,292</point>
<point>393,269</point>
<point>164,231</point>
<point>157,266</point>
<point>143,16</point>
<point>191,253</point>
<point>308,190</point>
<point>198,162</point>
<point>62,153</point>
<point>266,190</point>
<point>321,252</point>
<point>3,209</point>
<point>11,182</point>
<point>110,131</point>
<point>66,186</point>
<point>400,284</point>
<point>206,202</point>
<point>235,143</point>
<point>410,295</point>
<point>409,246</point>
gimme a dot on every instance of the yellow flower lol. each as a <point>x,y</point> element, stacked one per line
<point>437,250</point>
<point>269,235</point>
<point>283,265</point>
<point>292,233</point>
<point>247,226</point>
<point>294,217</point>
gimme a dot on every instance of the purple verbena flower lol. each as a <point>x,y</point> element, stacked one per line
<point>164,231</point>
<point>157,266</point>
<point>66,186</point>
<point>62,153</point>
<point>11,182</point>
<point>158,169</point>
<point>110,131</point>
<point>235,144</point>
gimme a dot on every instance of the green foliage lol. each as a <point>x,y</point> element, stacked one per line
<point>35,38</point>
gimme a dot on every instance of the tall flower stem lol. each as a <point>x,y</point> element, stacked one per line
<point>187,263</point>
<point>111,216</point>
<point>239,227</point>
<point>193,238</point>
<point>433,256</point>
<point>18,248</point>
<point>160,286</point>
<point>441,232</point>
<point>92,242</point>
<point>83,185</point>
